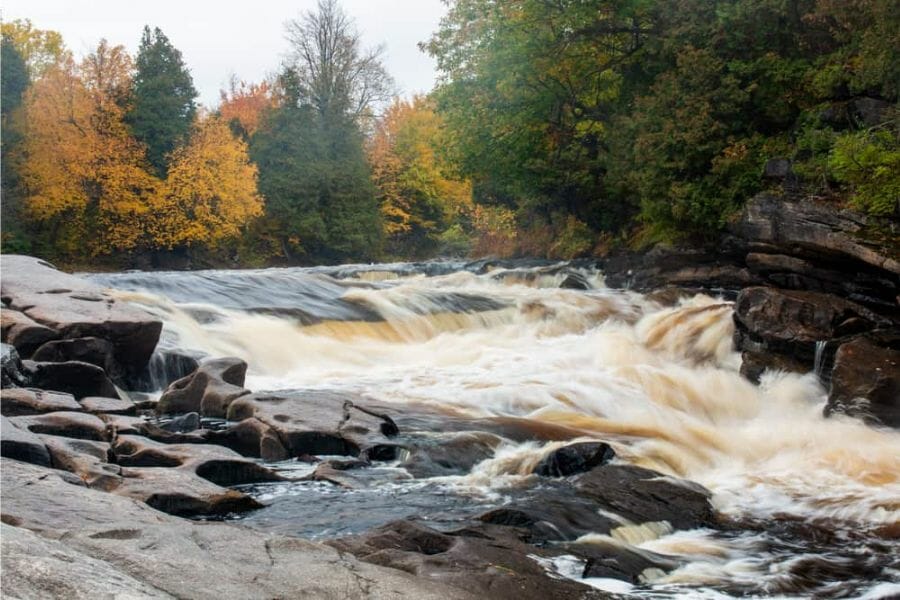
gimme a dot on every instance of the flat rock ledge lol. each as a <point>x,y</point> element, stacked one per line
<point>61,539</point>
<point>43,305</point>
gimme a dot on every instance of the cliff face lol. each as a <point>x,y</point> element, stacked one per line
<point>816,288</point>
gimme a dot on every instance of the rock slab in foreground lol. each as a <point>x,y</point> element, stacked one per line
<point>185,559</point>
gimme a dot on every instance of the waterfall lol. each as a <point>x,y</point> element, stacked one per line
<point>661,385</point>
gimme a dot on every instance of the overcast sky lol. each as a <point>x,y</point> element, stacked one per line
<point>244,38</point>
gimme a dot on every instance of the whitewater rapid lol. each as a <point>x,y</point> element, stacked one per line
<point>661,384</point>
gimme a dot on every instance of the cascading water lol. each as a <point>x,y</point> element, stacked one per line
<point>660,384</point>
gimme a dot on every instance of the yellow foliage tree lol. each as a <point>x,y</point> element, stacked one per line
<point>41,49</point>
<point>419,197</point>
<point>83,173</point>
<point>210,192</point>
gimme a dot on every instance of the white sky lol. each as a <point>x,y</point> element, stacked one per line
<point>245,38</point>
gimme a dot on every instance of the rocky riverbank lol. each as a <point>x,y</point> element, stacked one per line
<point>102,488</point>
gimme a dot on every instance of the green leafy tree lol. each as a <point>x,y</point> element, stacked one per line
<point>163,103</point>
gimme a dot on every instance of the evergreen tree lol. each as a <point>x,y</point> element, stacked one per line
<point>163,105</point>
<point>13,83</point>
<point>313,170</point>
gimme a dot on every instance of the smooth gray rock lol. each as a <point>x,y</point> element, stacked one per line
<point>21,444</point>
<point>15,402</point>
<point>89,460</point>
<point>35,568</point>
<point>195,560</point>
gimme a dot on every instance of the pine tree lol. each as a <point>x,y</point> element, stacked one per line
<point>163,106</point>
<point>12,87</point>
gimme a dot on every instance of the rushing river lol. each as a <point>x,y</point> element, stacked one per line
<point>813,503</point>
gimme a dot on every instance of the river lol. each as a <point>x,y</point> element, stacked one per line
<point>812,505</point>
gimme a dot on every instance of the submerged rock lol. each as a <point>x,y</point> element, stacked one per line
<point>574,458</point>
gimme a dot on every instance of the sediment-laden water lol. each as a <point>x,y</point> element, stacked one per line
<point>812,505</point>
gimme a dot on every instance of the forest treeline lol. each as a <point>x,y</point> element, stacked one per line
<point>556,129</point>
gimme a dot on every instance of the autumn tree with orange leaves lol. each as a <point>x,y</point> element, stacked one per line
<point>243,105</point>
<point>84,175</point>
<point>419,198</point>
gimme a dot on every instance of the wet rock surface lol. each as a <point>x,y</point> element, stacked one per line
<point>575,458</point>
<point>865,381</point>
<point>486,563</point>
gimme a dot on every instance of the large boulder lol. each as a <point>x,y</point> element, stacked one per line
<point>574,458</point>
<point>777,328</point>
<point>184,559</point>
<point>80,379</point>
<point>74,308</point>
<point>209,390</point>
<point>319,422</point>
<point>865,381</point>
<point>93,350</point>
<point>22,332</point>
